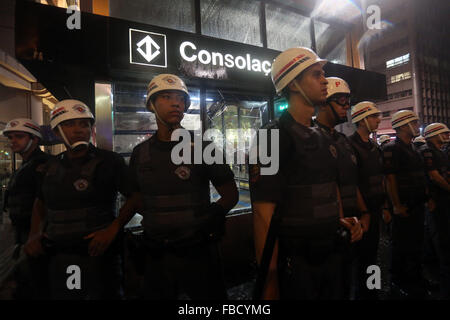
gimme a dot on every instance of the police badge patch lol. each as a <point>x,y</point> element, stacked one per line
<point>183,172</point>
<point>353,158</point>
<point>81,184</point>
<point>333,151</point>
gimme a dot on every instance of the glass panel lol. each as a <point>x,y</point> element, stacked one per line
<point>173,14</point>
<point>133,123</point>
<point>228,114</point>
<point>330,42</point>
<point>5,164</point>
<point>286,29</point>
<point>233,20</point>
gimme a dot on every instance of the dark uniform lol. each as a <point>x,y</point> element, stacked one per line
<point>370,180</point>
<point>403,161</point>
<point>80,197</point>
<point>436,159</point>
<point>181,227</point>
<point>310,255</point>
<point>348,184</point>
<point>20,195</point>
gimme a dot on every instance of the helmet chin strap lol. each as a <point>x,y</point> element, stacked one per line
<point>77,145</point>
<point>337,119</point>
<point>28,146</point>
<point>170,127</point>
<point>308,101</point>
<point>444,141</point>
<point>368,127</point>
<point>413,132</point>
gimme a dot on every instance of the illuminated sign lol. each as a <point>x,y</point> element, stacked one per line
<point>148,48</point>
<point>190,53</point>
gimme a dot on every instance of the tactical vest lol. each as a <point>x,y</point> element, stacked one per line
<point>347,172</point>
<point>71,225</point>
<point>170,218</point>
<point>20,198</point>
<point>370,174</point>
<point>410,176</point>
<point>310,207</point>
<point>441,162</point>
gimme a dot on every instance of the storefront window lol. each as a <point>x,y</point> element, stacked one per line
<point>286,29</point>
<point>236,118</point>
<point>233,20</point>
<point>173,14</point>
<point>330,42</point>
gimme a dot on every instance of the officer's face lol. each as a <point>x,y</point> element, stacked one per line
<point>314,84</point>
<point>18,141</point>
<point>341,104</point>
<point>373,120</point>
<point>170,106</point>
<point>76,130</point>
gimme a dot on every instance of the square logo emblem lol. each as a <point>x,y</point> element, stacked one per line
<point>148,48</point>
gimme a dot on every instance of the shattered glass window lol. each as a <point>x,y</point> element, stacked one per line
<point>233,20</point>
<point>286,29</point>
<point>173,14</point>
<point>330,42</point>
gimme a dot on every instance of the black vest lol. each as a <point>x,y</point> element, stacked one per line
<point>370,173</point>
<point>175,197</point>
<point>310,207</point>
<point>77,184</point>
<point>21,190</point>
<point>410,176</point>
<point>347,171</point>
<point>441,163</point>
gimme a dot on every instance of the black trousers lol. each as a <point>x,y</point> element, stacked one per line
<point>74,275</point>
<point>194,270</point>
<point>366,255</point>
<point>407,248</point>
<point>441,219</point>
<point>313,273</point>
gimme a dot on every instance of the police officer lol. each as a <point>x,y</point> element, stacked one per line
<point>303,196</point>
<point>330,114</point>
<point>182,228</point>
<point>406,188</point>
<point>366,116</point>
<point>24,136</point>
<point>436,135</point>
<point>419,141</point>
<point>384,139</point>
<point>77,201</point>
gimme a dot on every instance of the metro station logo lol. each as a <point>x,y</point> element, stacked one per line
<point>148,48</point>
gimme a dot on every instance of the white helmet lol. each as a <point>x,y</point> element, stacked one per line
<point>337,85</point>
<point>69,109</point>
<point>434,129</point>
<point>419,139</point>
<point>384,138</point>
<point>403,117</point>
<point>23,125</point>
<point>290,63</point>
<point>362,110</point>
<point>166,82</point>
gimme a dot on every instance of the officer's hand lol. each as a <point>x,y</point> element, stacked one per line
<point>387,216</point>
<point>365,222</point>
<point>33,246</point>
<point>401,210</point>
<point>101,239</point>
<point>352,224</point>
